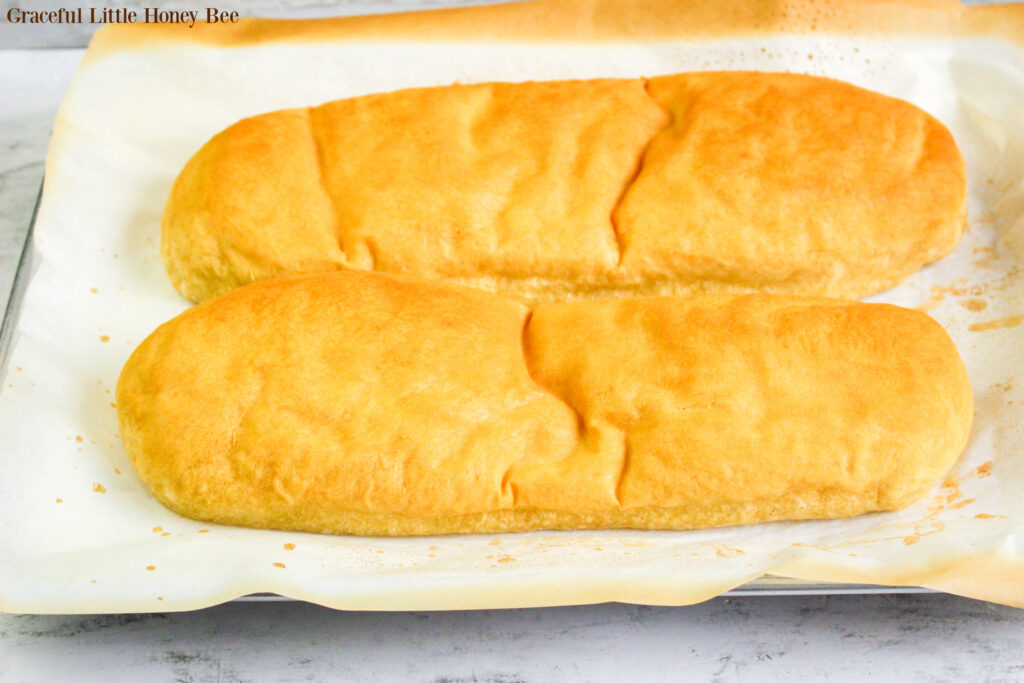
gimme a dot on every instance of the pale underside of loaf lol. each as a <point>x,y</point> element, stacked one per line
<point>793,507</point>
<point>700,182</point>
<point>363,403</point>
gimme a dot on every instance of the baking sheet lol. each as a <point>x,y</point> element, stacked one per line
<point>81,534</point>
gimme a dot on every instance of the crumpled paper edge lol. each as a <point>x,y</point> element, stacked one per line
<point>597,20</point>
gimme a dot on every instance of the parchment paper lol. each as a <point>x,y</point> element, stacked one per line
<point>80,533</point>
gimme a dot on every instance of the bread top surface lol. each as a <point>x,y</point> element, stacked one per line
<point>718,181</point>
<point>305,402</point>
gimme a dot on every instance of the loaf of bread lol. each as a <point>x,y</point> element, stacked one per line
<point>688,183</point>
<point>361,403</point>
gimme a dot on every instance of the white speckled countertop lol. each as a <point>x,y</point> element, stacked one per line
<point>851,638</point>
<point>894,637</point>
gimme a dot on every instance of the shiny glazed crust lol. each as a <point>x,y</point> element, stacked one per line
<point>362,403</point>
<point>700,182</point>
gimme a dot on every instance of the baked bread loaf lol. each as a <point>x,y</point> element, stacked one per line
<point>717,182</point>
<point>362,403</point>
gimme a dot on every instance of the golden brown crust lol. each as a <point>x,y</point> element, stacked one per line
<point>726,181</point>
<point>372,404</point>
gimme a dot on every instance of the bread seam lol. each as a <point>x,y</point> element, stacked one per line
<point>319,153</point>
<point>638,169</point>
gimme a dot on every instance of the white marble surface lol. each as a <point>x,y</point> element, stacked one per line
<point>853,638</point>
<point>920,637</point>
